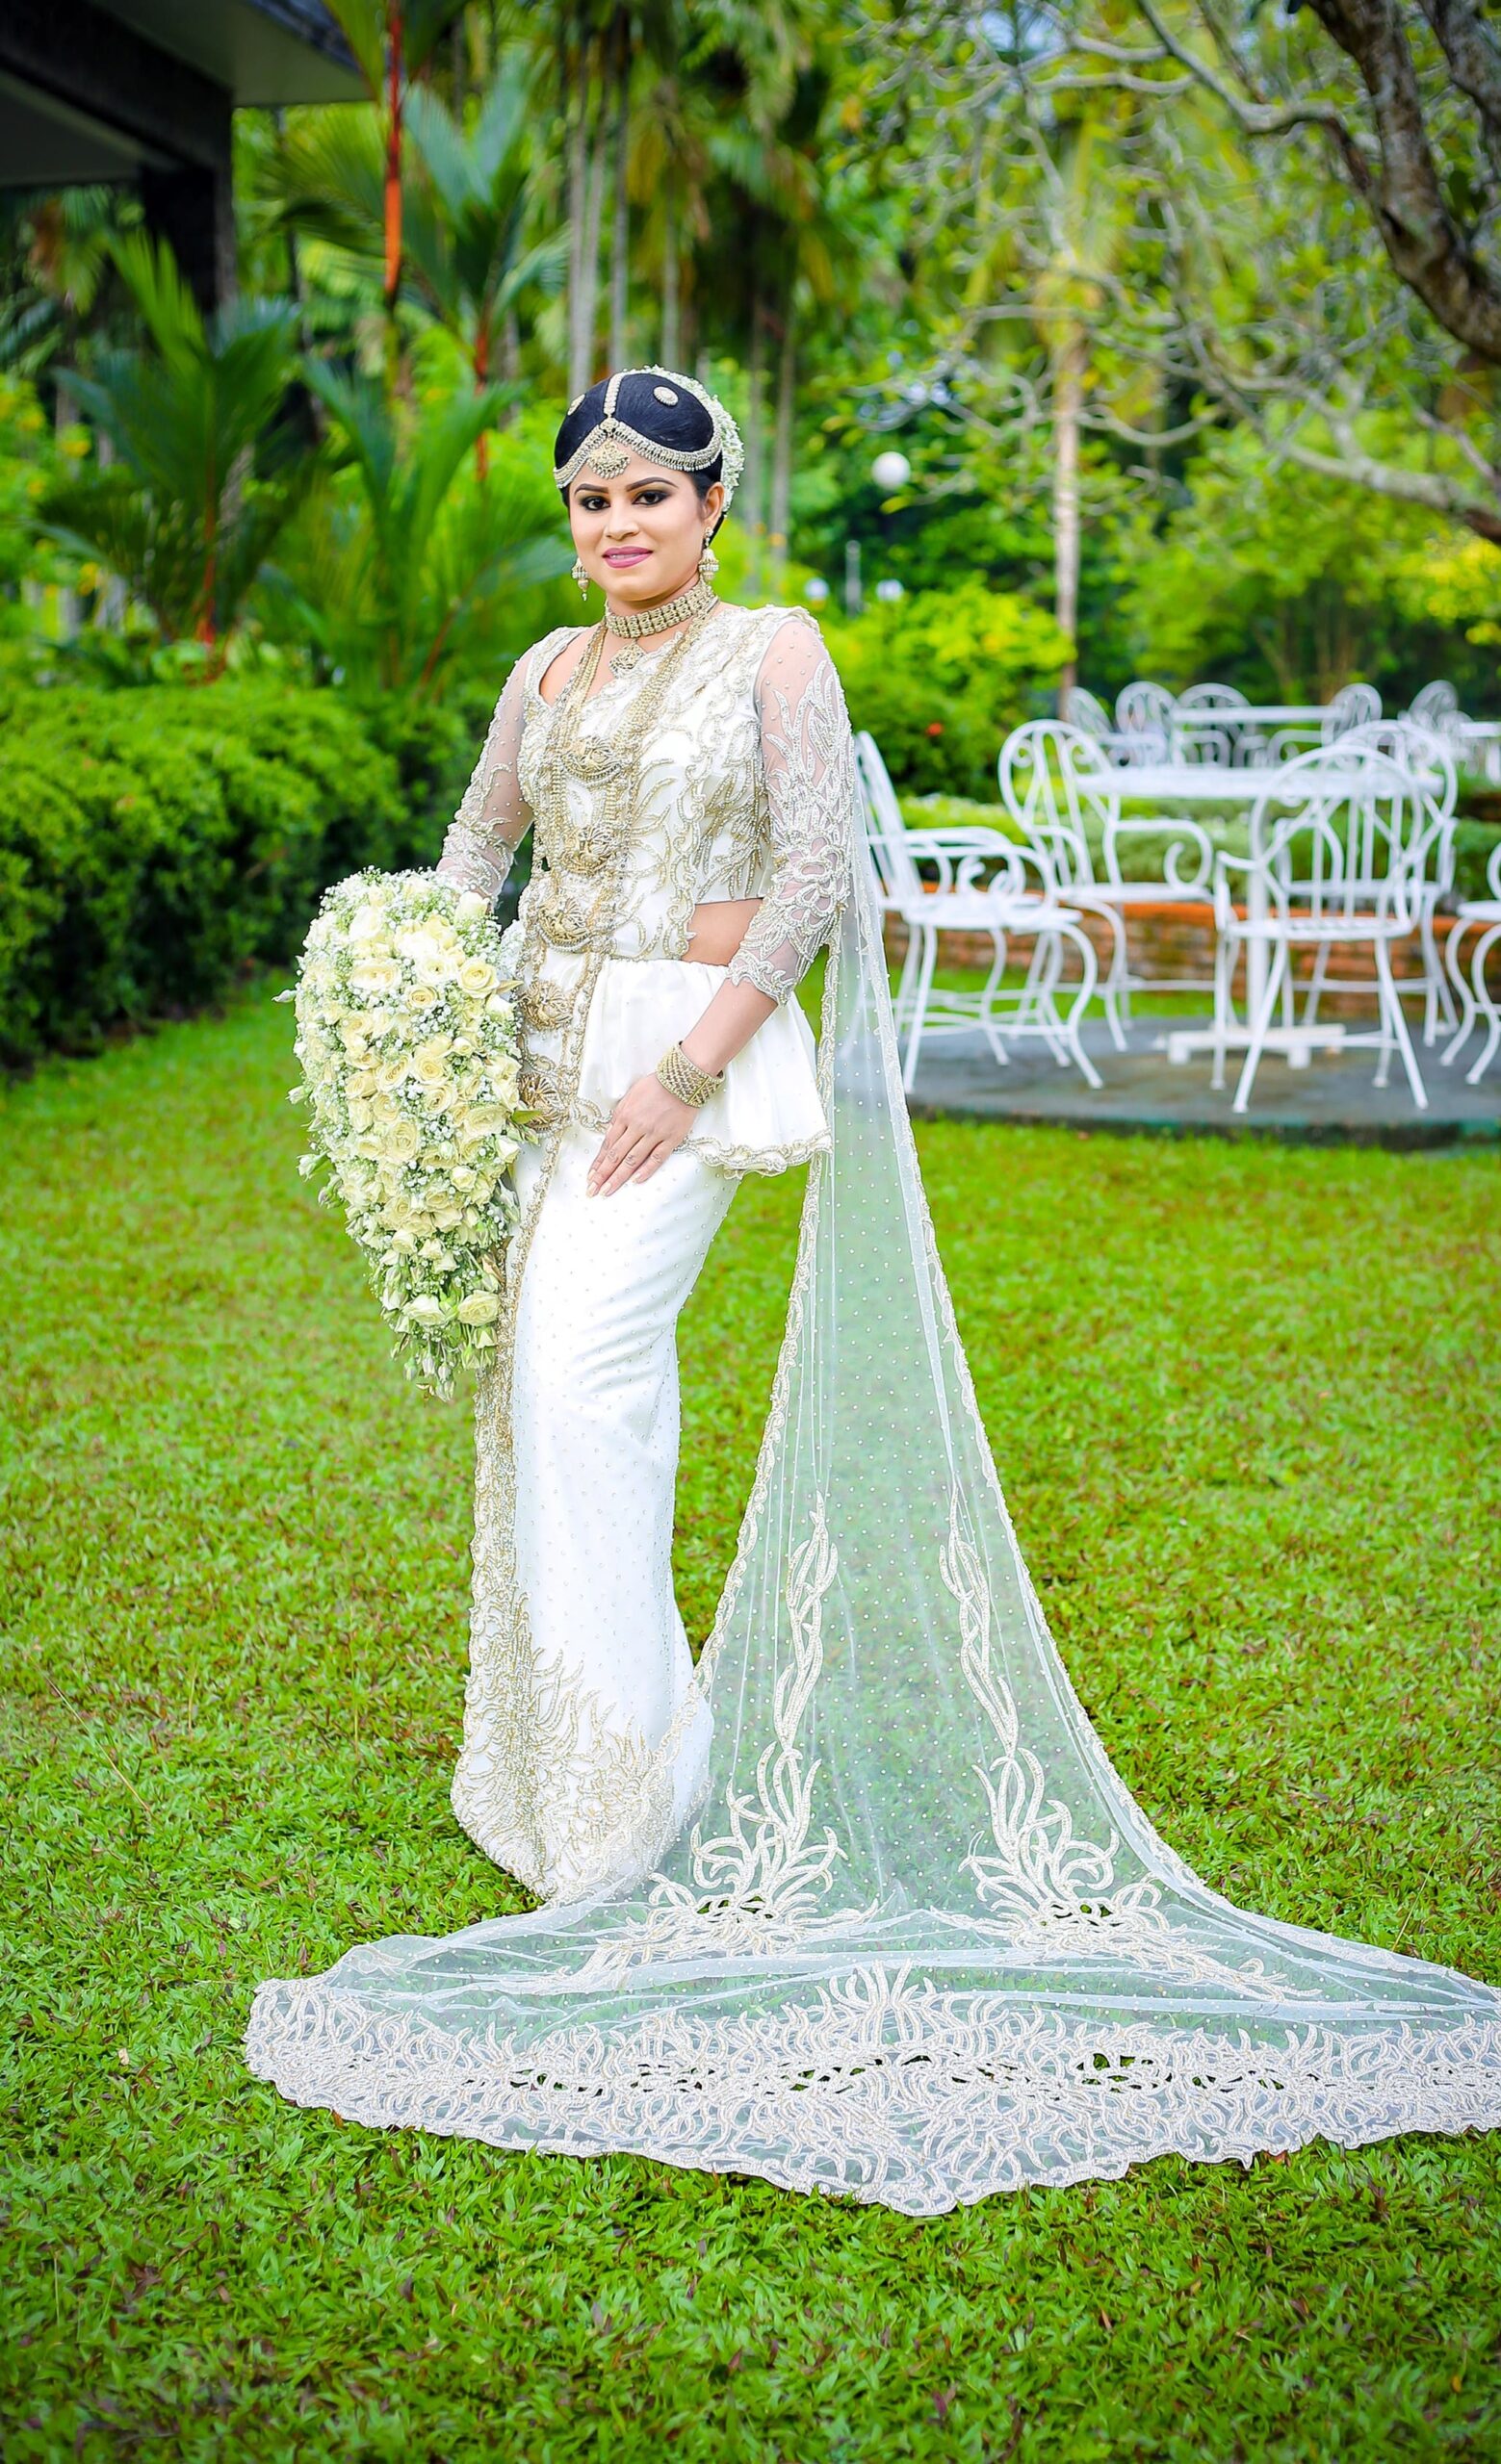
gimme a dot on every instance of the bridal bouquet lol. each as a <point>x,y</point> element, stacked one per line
<point>411,1071</point>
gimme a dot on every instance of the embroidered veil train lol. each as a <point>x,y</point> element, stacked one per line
<point>918,1944</point>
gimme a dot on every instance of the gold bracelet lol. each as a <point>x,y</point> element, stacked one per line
<point>683,1078</point>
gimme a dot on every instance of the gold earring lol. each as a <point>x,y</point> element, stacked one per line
<point>708,563</point>
<point>580,576</point>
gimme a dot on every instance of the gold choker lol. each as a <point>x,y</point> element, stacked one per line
<point>635,623</point>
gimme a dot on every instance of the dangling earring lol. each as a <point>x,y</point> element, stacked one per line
<point>580,576</point>
<point>708,563</point>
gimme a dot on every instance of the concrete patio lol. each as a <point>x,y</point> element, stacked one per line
<point>1333,1101</point>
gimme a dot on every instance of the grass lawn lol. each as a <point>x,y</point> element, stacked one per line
<point>1247,1401</point>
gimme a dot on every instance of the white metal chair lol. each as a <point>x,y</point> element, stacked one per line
<point>1429,757</point>
<point>1212,697</point>
<point>1054,781</point>
<point>1088,713</point>
<point>1345,864</point>
<point>1144,719</point>
<point>1476,997</point>
<point>980,887</point>
<point>1354,706</point>
<point>1435,703</point>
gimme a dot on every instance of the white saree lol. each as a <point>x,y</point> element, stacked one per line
<point>858,1903</point>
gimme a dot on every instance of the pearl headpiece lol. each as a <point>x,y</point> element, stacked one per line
<point>608,448</point>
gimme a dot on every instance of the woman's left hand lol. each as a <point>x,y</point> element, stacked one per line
<point>645,1127</point>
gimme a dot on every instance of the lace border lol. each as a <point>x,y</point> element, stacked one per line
<point>890,2094</point>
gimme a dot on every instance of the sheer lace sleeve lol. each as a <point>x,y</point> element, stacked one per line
<point>809,755</point>
<point>493,818</point>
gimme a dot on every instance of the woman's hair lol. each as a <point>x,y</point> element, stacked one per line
<point>682,426</point>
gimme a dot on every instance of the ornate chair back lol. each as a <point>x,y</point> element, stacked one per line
<point>1144,716</point>
<point>1435,702</point>
<point>1354,706</point>
<point>1356,845</point>
<point>1042,770</point>
<point>1213,697</point>
<point>1089,716</point>
<point>885,832</point>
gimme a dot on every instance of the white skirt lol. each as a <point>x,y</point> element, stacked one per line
<point>579,1662</point>
<point>586,1736</point>
<point>766,1116</point>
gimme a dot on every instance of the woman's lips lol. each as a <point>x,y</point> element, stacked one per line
<point>625,555</point>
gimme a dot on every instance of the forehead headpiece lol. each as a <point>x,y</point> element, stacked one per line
<point>610,446</point>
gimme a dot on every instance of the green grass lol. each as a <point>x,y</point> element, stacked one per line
<point>1246,1400</point>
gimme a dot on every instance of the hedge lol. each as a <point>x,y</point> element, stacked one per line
<point>155,844</point>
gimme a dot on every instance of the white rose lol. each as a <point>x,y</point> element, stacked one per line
<point>375,974</point>
<point>366,924</point>
<point>446,1216</point>
<point>476,976</point>
<point>430,1060</point>
<point>401,1138</point>
<point>418,948</point>
<point>462,1177</point>
<point>481,1309</point>
<point>471,907</point>
<point>427,1310</point>
<point>419,998</point>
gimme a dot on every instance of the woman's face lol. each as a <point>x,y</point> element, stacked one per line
<point>641,536</point>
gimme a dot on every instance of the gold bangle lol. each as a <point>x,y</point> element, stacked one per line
<point>683,1078</point>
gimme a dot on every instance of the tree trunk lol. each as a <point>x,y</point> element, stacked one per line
<point>582,261</point>
<point>753,485</point>
<point>1068,403</point>
<point>620,220</point>
<point>392,276</point>
<point>781,448</point>
<point>671,273</point>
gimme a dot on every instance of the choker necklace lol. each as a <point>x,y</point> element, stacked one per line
<point>635,624</point>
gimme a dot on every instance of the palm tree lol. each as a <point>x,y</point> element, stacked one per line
<point>471,260</point>
<point>393,41</point>
<point>182,517</point>
<point>405,567</point>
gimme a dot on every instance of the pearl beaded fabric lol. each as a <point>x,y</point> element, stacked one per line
<point>866,1910</point>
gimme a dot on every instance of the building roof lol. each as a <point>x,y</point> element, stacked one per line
<point>104,89</point>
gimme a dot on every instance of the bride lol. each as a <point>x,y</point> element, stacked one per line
<point>856,1902</point>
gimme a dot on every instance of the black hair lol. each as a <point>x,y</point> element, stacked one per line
<point>682,425</point>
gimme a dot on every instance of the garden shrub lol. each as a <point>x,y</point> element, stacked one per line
<point>942,678</point>
<point>153,844</point>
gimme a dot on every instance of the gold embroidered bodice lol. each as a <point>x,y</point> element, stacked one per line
<point>744,790</point>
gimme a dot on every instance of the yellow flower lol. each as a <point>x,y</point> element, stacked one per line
<point>476,976</point>
<point>481,1309</point>
<point>430,1060</point>
<point>402,1139</point>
